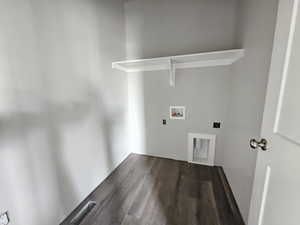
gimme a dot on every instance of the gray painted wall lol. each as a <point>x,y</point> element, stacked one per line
<point>255,33</point>
<point>62,108</point>
<point>204,93</point>
<point>169,27</point>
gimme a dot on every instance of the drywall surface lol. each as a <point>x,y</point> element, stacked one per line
<point>171,27</point>
<point>205,98</point>
<point>255,33</point>
<point>62,108</point>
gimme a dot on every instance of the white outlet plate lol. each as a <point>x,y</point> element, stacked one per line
<point>4,220</point>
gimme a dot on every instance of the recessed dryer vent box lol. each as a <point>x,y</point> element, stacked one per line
<point>201,148</point>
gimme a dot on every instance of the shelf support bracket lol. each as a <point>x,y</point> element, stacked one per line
<point>172,71</point>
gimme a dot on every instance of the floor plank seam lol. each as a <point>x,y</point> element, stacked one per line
<point>149,190</point>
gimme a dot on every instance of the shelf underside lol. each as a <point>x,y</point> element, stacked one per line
<point>208,59</point>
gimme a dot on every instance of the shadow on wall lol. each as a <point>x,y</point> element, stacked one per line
<point>61,114</point>
<point>35,157</point>
<point>54,154</point>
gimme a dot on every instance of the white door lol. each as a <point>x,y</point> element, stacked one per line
<point>276,192</point>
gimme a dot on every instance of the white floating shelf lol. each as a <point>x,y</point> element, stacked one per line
<point>171,63</point>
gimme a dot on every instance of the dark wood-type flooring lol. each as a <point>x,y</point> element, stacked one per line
<point>147,190</point>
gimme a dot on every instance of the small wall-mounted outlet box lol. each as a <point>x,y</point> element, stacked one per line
<point>177,112</point>
<point>216,125</point>
<point>4,219</point>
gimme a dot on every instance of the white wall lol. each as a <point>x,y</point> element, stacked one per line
<point>169,27</point>
<point>254,33</point>
<point>62,108</point>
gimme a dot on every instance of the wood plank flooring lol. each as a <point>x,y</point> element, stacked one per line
<point>147,190</point>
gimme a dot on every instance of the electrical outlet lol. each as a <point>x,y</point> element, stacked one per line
<point>4,219</point>
<point>217,125</point>
<point>164,122</point>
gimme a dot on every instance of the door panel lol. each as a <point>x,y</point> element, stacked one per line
<point>288,110</point>
<point>276,191</point>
